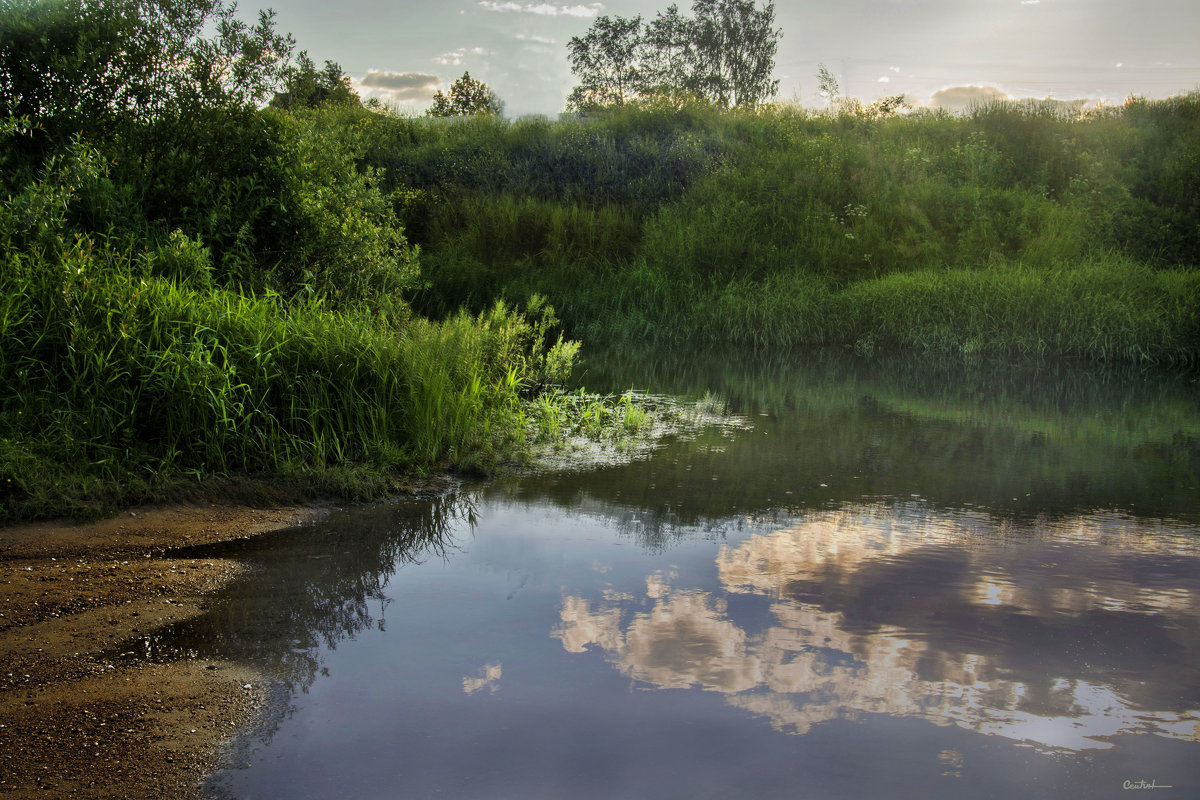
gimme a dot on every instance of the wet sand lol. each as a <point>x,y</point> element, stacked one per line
<point>76,719</point>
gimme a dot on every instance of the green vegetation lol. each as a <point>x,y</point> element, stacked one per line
<point>723,54</point>
<point>1015,231</point>
<point>467,97</point>
<point>218,262</point>
<point>195,288</point>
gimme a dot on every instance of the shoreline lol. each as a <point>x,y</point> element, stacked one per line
<point>75,722</point>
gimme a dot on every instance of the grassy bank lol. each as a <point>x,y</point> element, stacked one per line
<point>124,380</point>
<point>198,292</point>
<point>1015,230</point>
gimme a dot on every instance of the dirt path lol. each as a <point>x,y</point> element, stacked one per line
<point>76,722</point>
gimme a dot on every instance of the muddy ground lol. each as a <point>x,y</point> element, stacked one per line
<point>76,719</point>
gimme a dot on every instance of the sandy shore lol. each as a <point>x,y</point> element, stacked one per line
<point>76,721</point>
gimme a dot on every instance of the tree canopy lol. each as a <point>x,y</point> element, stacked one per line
<point>467,97</point>
<point>723,53</point>
<point>307,87</point>
<point>93,65</point>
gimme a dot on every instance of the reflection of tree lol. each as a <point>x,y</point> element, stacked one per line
<point>314,587</point>
<point>877,614</point>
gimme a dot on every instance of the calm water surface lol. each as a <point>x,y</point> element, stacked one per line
<point>874,582</point>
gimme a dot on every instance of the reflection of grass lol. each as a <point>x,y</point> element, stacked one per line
<point>1121,406</point>
<point>1002,437</point>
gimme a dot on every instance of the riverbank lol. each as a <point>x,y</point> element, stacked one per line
<point>79,721</point>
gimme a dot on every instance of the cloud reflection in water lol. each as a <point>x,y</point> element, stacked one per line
<point>1051,634</point>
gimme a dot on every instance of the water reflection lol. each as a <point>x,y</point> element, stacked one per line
<point>314,587</point>
<point>1048,439</point>
<point>937,569</point>
<point>1061,635</point>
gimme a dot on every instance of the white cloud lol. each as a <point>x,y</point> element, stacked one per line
<point>542,9</point>
<point>884,79</point>
<point>529,37</point>
<point>964,98</point>
<point>1030,2</point>
<point>455,57</point>
<point>894,69</point>
<point>486,677</point>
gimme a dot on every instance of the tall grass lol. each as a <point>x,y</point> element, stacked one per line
<point>790,229</point>
<point>1103,310</point>
<point>128,366</point>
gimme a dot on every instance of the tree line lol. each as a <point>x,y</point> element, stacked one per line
<point>723,53</point>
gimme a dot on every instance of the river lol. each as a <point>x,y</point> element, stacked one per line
<point>870,579</point>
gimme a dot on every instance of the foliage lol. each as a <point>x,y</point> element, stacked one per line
<point>724,54</point>
<point>96,67</point>
<point>828,85</point>
<point>605,60</point>
<point>779,228</point>
<point>737,42</point>
<point>193,286</point>
<point>467,97</point>
<point>118,363</point>
<point>305,87</point>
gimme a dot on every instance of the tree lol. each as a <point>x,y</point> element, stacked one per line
<point>92,66</point>
<point>725,53</point>
<point>827,85</point>
<point>606,61</point>
<point>668,54</point>
<point>305,87</point>
<point>736,45</point>
<point>467,97</point>
<point>888,106</point>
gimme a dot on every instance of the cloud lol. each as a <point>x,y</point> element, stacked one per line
<point>1031,2</point>
<point>486,677</point>
<point>961,98</point>
<point>455,57</point>
<point>884,79</point>
<point>529,37</point>
<point>400,87</point>
<point>542,9</point>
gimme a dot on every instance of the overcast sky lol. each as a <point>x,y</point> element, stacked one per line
<point>403,50</point>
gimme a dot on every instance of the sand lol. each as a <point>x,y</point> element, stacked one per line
<point>77,719</point>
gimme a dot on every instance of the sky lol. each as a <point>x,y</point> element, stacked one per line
<point>937,52</point>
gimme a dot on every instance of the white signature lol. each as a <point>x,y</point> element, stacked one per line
<point>1144,785</point>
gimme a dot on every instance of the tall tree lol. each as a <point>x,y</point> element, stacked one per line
<point>93,66</point>
<point>736,45</point>
<point>606,61</point>
<point>668,54</point>
<point>725,53</point>
<point>306,87</point>
<point>467,97</point>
